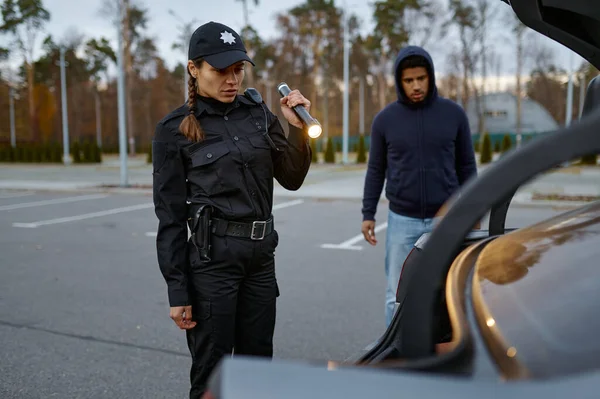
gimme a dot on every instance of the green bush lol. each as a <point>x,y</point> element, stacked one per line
<point>497,147</point>
<point>50,152</point>
<point>86,149</point>
<point>476,146</point>
<point>76,152</point>
<point>590,159</point>
<point>313,148</point>
<point>506,143</point>
<point>486,149</point>
<point>57,153</point>
<point>329,152</point>
<point>362,152</point>
<point>96,153</point>
<point>5,152</point>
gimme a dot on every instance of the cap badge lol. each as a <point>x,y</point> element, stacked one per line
<point>227,37</point>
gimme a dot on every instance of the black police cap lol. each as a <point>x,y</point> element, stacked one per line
<point>217,44</point>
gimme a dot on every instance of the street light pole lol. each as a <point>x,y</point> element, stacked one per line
<point>65,118</point>
<point>121,99</point>
<point>346,88</point>
<point>570,92</point>
<point>581,93</point>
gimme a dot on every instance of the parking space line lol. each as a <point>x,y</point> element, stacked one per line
<point>282,205</point>
<point>15,195</point>
<point>349,244</point>
<point>84,216</point>
<point>52,202</point>
<point>287,204</point>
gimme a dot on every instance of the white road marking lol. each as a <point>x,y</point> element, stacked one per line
<point>15,195</point>
<point>84,216</point>
<point>349,244</point>
<point>282,205</point>
<point>52,202</point>
<point>287,204</point>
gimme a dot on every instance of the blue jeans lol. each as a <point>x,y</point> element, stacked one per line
<point>402,233</point>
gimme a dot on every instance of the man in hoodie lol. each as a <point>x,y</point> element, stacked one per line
<point>422,144</point>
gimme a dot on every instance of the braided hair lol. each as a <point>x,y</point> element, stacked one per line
<point>190,127</point>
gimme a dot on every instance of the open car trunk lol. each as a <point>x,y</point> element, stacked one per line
<point>420,296</point>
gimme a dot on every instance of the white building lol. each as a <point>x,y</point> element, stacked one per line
<point>501,115</point>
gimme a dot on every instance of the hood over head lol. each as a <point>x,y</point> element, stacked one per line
<point>402,55</point>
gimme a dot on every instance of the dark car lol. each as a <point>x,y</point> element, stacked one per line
<point>491,313</point>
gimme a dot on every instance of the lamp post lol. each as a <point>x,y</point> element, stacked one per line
<point>121,98</point>
<point>65,116</point>
<point>570,92</point>
<point>346,87</point>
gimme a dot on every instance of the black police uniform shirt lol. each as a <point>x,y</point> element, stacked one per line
<point>232,170</point>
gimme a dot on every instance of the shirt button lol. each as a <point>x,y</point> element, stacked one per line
<point>246,165</point>
<point>258,127</point>
<point>236,138</point>
<point>225,117</point>
<point>209,155</point>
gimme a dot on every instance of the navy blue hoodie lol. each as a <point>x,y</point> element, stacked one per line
<point>423,150</point>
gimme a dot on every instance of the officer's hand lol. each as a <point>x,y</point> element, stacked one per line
<point>291,100</point>
<point>182,316</point>
<point>368,230</point>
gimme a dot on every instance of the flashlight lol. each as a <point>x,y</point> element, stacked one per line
<point>314,127</point>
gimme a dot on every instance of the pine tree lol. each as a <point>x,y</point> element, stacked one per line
<point>486,149</point>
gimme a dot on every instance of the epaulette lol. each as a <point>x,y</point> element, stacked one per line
<point>176,113</point>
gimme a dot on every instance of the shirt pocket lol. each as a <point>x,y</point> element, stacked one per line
<point>209,166</point>
<point>260,159</point>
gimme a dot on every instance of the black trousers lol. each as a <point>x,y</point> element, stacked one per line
<point>233,303</point>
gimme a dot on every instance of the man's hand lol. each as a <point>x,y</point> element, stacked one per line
<point>291,100</point>
<point>368,230</point>
<point>182,316</point>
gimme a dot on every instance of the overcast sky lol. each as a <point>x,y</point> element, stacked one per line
<point>84,16</point>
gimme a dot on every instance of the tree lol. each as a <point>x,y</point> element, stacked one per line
<point>506,143</point>
<point>319,23</point>
<point>463,15</point>
<point>484,11</point>
<point>330,151</point>
<point>245,5</point>
<point>24,19</point>
<point>486,149</point>
<point>98,53</point>
<point>362,153</point>
<point>249,45</point>
<point>519,30</point>
<point>391,33</point>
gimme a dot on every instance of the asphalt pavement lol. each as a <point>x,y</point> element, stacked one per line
<point>83,307</point>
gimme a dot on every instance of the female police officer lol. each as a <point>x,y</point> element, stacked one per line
<point>220,153</point>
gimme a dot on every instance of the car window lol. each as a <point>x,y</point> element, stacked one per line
<point>536,291</point>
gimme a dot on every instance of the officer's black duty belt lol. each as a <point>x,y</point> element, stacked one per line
<point>256,230</point>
